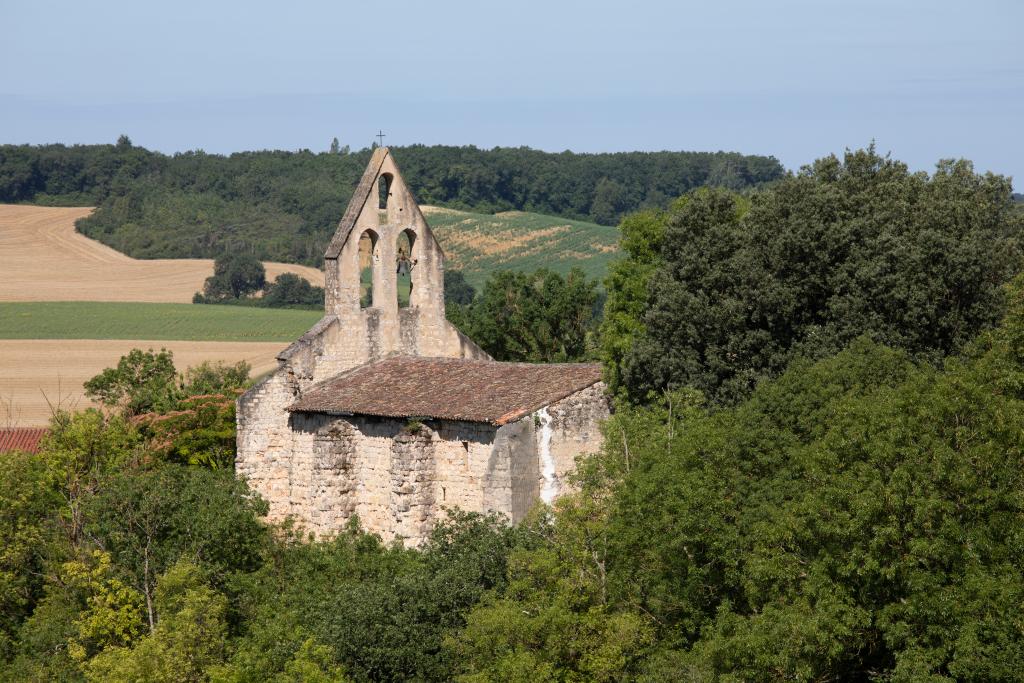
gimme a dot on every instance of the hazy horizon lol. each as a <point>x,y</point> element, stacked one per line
<point>796,80</point>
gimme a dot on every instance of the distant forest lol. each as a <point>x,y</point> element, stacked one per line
<point>284,205</point>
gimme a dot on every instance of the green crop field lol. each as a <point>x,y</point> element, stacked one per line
<point>184,322</point>
<point>478,243</point>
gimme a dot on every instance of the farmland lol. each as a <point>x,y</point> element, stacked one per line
<point>122,320</point>
<point>478,243</point>
<point>70,306</point>
<point>48,349</point>
<point>42,258</point>
<point>39,374</point>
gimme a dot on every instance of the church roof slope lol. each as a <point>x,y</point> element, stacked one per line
<point>447,388</point>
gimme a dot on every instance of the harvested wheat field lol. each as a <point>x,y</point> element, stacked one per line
<point>35,373</point>
<point>43,258</point>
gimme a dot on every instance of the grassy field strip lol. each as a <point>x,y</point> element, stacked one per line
<point>184,322</point>
<point>35,373</point>
<point>43,258</point>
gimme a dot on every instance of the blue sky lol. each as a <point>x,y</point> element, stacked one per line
<point>794,78</point>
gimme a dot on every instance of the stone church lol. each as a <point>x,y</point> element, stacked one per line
<point>385,411</point>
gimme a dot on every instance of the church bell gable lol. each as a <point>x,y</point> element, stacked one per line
<point>382,238</point>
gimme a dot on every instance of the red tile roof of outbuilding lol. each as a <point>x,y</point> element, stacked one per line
<point>21,439</point>
<point>447,388</point>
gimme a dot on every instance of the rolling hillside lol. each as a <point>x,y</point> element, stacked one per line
<point>70,306</point>
<point>43,258</point>
<point>478,243</point>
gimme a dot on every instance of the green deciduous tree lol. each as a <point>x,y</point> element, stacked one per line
<point>142,381</point>
<point>538,317</point>
<point>113,613</point>
<point>844,248</point>
<point>185,645</point>
<point>235,275</point>
<point>627,285</point>
<point>288,289</point>
<point>553,621</point>
<point>609,201</point>
<point>853,516</point>
<point>79,451</point>
<point>381,612</point>
<point>147,520</point>
<point>214,378</point>
<point>28,503</point>
<point>456,289</point>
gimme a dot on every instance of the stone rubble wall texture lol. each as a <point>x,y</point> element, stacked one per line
<point>398,480</point>
<point>400,476</point>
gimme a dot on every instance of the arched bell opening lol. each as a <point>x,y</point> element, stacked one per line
<point>368,258</point>
<point>405,266</point>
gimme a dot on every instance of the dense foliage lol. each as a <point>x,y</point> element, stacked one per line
<point>456,289</point>
<point>284,206</point>
<point>120,565</point>
<point>641,238</point>
<point>147,381</point>
<point>856,516</point>
<point>289,290</point>
<point>534,317</point>
<point>187,418</point>
<point>235,275</point>
<point>724,290</point>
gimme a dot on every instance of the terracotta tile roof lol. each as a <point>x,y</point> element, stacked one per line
<point>447,388</point>
<point>21,439</point>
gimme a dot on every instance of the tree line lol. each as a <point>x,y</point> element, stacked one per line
<point>284,206</point>
<point>813,472</point>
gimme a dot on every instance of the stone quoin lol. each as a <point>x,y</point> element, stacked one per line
<point>385,411</point>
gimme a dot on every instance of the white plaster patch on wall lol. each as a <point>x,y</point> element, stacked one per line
<point>547,463</point>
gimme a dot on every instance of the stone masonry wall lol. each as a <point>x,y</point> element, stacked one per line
<point>576,429</point>
<point>396,475</point>
<point>401,477</point>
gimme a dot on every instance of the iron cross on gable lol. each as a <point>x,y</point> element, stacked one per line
<point>380,134</point>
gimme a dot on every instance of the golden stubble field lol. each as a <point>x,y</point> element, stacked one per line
<point>42,258</point>
<point>36,374</point>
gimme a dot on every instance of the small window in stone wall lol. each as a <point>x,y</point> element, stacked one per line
<point>465,446</point>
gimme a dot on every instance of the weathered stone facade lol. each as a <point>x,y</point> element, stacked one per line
<point>398,475</point>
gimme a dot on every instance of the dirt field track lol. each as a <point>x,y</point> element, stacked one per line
<point>34,371</point>
<point>42,258</point>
